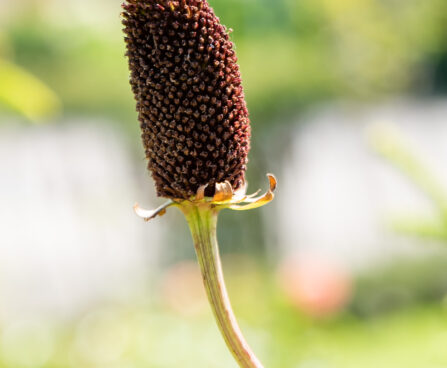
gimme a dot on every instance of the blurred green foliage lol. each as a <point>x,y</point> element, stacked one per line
<point>150,334</point>
<point>292,52</point>
<point>399,285</point>
<point>26,94</point>
<point>22,92</point>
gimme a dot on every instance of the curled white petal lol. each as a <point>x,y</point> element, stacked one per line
<point>148,215</point>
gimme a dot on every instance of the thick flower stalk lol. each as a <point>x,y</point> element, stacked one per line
<point>195,130</point>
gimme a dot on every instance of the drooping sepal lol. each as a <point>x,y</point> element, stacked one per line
<point>148,215</point>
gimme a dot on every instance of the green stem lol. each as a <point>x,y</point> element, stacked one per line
<point>202,220</point>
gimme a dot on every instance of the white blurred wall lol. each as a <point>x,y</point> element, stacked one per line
<point>337,195</point>
<point>68,234</point>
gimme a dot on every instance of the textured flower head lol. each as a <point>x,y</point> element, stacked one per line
<point>190,101</point>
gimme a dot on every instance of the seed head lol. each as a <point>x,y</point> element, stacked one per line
<point>190,101</point>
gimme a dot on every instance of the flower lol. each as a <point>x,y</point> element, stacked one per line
<point>190,101</point>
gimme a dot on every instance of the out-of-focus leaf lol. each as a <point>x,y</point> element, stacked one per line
<point>26,94</point>
<point>389,142</point>
<point>420,227</point>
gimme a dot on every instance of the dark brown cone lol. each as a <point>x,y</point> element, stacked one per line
<point>190,101</point>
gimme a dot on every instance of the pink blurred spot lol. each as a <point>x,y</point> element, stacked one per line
<point>317,287</point>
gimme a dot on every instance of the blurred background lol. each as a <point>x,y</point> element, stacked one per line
<point>346,268</point>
